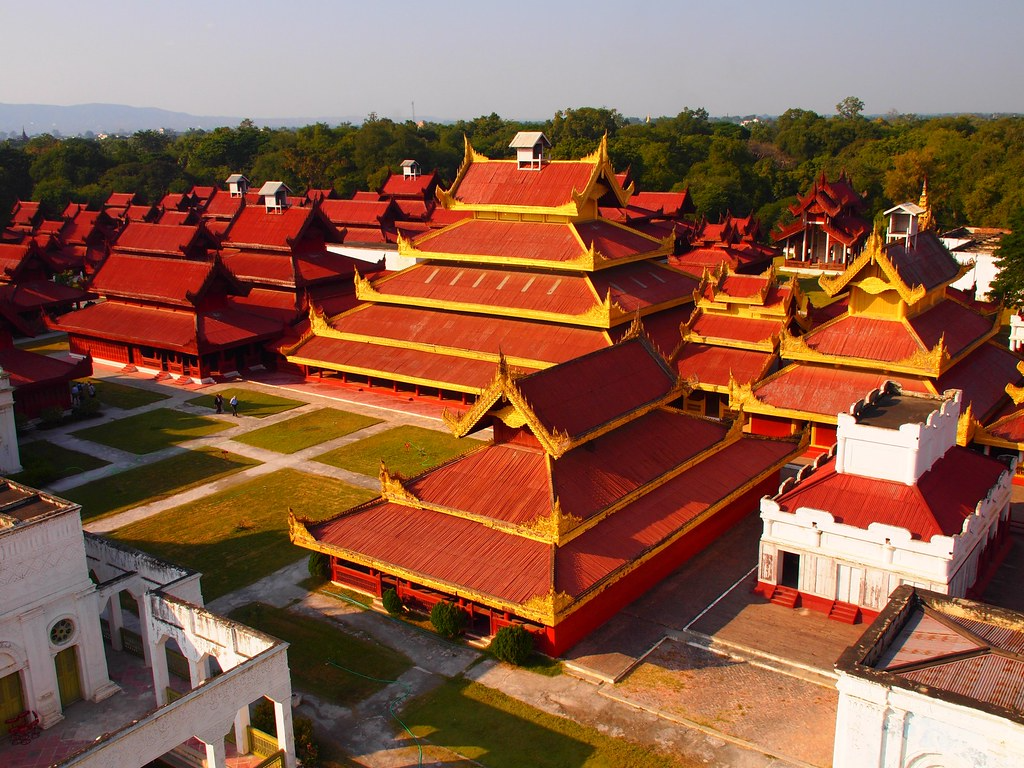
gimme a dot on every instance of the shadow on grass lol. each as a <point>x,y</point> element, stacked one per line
<point>155,481</point>
<point>152,431</point>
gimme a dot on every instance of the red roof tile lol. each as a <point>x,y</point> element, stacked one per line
<point>943,498</point>
<point>501,182</point>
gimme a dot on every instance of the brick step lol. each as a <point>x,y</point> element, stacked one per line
<point>787,597</point>
<point>844,612</point>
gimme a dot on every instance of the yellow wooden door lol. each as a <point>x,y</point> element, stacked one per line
<point>67,676</point>
<point>11,701</point>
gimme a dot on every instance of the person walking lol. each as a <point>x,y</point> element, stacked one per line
<point>92,389</point>
<point>233,402</point>
<point>218,402</point>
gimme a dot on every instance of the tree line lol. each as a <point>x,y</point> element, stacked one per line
<point>973,164</point>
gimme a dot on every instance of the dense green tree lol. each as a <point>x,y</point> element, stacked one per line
<point>1009,283</point>
<point>850,108</point>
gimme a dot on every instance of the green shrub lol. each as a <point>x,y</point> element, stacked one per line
<point>21,423</point>
<point>87,408</point>
<point>448,619</point>
<point>392,602</point>
<point>319,566</point>
<point>51,417</point>
<point>513,644</point>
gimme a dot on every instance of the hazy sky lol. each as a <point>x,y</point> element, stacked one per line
<point>520,59</point>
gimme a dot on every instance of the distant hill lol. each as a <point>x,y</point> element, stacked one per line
<point>82,119</point>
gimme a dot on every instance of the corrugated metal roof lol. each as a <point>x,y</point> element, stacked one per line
<point>958,325</point>
<point>735,327</point>
<point>256,227</point>
<point>927,263</point>
<point>866,338</point>
<point>643,284</point>
<point>586,392</point>
<point>504,239</point>
<point>983,376</point>
<point>28,368</point>
<point>943,498</point>
<point>628,533</point>
<point>479,333</point>
<point>713,365</point>
<point>614,242</point>
<point>168,239</point>
<point>443,547</point>
<point>479,483</point>
<point>152,278</point>
<point>365,212</point>
<point>501,182</point>
<point>827,391</point>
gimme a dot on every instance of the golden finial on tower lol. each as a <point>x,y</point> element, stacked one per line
<point>924,219</point>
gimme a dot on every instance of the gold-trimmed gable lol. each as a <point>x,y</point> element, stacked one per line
<point>1016,393</point>
<point>966,426</point>
<point>445,196</point>
<point>553,526</point>
<point>461,424</point>
<point>392,487</point>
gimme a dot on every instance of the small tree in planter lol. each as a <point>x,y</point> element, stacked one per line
<point>448,619</point>
<point>319,566</point>
<point>513,644</point>
<point>392,602</point>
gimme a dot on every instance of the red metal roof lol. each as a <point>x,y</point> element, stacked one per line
<point>397,363</point>
<point>612,241</point>
<point>12,256</point>
<point>365,212</point>
<point>255,227</point>
<point>479,484</point>
<point>505,239</point>
<point>866,338</point>
<point>28,369</point>
<point>1009,427</point>
<point>120,200</point>
<point>514,289</point>
<point>943,498</point>
<point>927,263</point>
<point>735,327</point>
<point>282,269</point>
<point>669,203</point>
<point>590,478</point>
<point>442,217</point>
<point>166,328</point>
<point>956,324</point>
<point>501,182</point>
<point>152,278</point>
<point>398,185</point>
<point>220,204</point>
<point>413,209</point>
<point>282,305</point>
<point>714,365</point>
<point>630,532</point>
<point>141,237</point>
<point>643,284</point>
<point>588,392</point>
<point>983,376</point>
<point>828,391</point>
<point>443,547</point>
<point>36,294</point>
<point>487,334</point>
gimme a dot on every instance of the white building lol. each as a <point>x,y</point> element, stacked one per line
<point>57,584</point>
<point>933,683</point>
<point>895,501</point>
<point>975,248</point>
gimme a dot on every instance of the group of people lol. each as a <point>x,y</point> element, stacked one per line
<point>78,391</point>
<point>218,403</point>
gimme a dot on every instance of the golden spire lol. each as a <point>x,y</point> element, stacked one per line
<point>924,219</point>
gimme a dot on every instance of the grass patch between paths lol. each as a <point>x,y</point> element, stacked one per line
<point>45,346</point>
<point>314,643</point>
<point>498,731</point>
<point>239,535</point>
<point>251,402</point>
<point>44,462</point>
<point>307,430</point>
<point>124,396</point>
<point>155,481</point>
<point>152,431</point>
<point>409,450</point>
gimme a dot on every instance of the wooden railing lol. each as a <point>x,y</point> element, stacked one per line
<point>274,761</point>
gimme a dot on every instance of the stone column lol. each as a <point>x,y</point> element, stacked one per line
<point>216,756</point>
<point>142,603</point>
<point>158,665</point>
<point>242,730</point>
<point>115,621</point>
<point>285,736</point>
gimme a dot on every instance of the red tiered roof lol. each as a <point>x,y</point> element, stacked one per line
<point>983,376</point>
<point>503,183</point>
<point>398,185</point>
<point>153,278</point>
<point>866,338</point>
<point>926,264</point>
<point>729,327</point>
<point>163,239</point>
<point>714,366</point>
<point>360,212</point>
<point>937,505</point>
<point>824,391</point>
<point>256,228</point>
<point>955,324</point>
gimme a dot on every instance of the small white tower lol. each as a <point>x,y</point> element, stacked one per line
<point>529,147</point>
<point>10,459</point>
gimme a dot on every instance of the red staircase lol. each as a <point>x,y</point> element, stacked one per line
<point>787,597</point>
<point>844,612</point>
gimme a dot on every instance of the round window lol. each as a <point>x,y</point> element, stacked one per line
<point>62,631</point>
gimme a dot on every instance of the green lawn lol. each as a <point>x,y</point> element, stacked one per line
<point>123,396</point>
<point>408,450</point>
<point>240,535</point>
<point>152,430</point>
<point>498,731</point>
<point>311,428</point>
<point>45,346</point>
<point>158,480</point>
<point>250,402</point>
<point>44,462</point>
<point>315,647</point>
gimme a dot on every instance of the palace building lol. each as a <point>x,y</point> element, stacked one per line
<point>829,227</point>
<point>593,490</point>
<point>533,273</point>
<point>896,502</point>
<point>894,318</point>
<point>732,338</point>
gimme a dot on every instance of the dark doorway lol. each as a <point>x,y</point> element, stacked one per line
<point>790,570</point>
